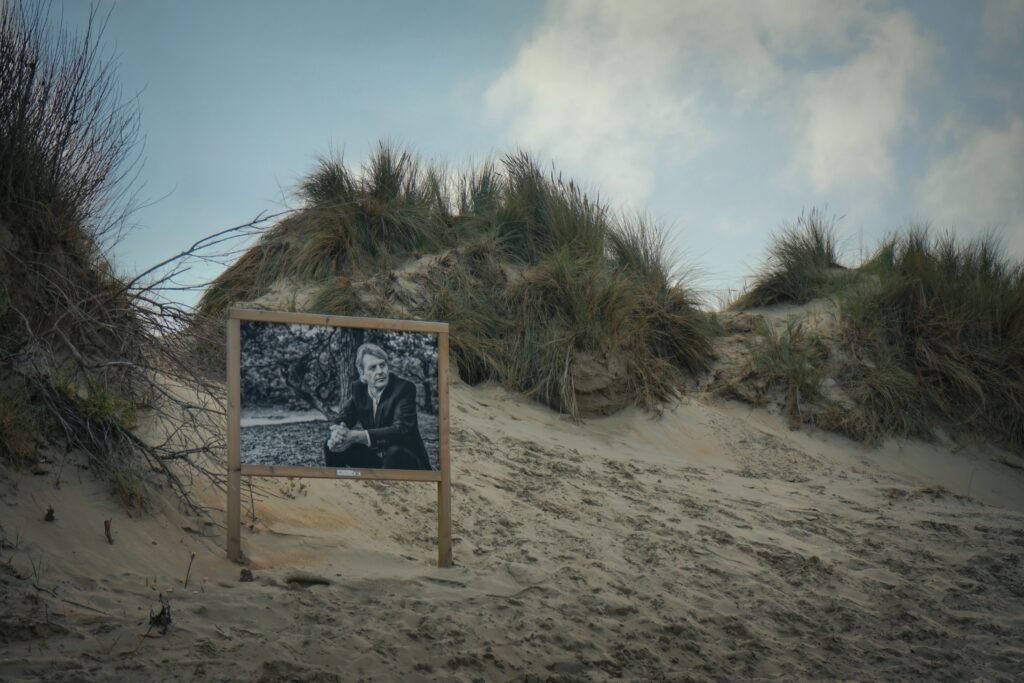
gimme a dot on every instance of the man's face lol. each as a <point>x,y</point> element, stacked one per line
<point>375,372</point>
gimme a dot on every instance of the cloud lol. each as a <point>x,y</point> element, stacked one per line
<point>584,91</point>
<point>980,184</point>
<point>854,113</point>
<point>619,92</point>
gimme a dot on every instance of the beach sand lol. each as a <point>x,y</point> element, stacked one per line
<point>708,543</point>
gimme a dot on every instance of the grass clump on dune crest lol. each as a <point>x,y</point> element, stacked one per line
<point>592,319</point>
<point>556,298</point>
<point>546,292</point>
<point>950,315</point>
<point>353,224</point>
<point>802,262</point>
<point>395,206</point>
<point>931,331</point>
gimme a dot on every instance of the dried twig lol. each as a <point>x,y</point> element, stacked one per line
<point>189,570</point>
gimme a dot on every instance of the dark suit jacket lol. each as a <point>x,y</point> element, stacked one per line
<point>395,423</point>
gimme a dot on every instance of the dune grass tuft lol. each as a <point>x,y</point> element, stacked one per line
<point>542,286</point>
<point>67,134</point>
<point>885,399</point>
<point>947,318</point>
<point>793,360</point>
<point>802,263</point>
<point>354,224</point>
<point>932,330</point>
<point>467,290</point>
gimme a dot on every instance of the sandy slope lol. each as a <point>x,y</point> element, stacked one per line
<point>711,543</point>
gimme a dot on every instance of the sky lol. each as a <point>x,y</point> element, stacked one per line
<point>722,120</point>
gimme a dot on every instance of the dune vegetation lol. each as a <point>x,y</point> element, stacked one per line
<point>802,264</point>
<point>63,140</point>
<point>546,290</point>
<point>80,346</point>
<point>931,331</point>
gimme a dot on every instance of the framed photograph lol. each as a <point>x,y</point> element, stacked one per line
<point>337,397</point>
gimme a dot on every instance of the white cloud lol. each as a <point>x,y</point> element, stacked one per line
<point>980,185</point>
<point>587,93</point>
<point>854,113</point>
<point>615,92</point>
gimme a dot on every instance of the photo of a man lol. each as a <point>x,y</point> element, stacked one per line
<point>378,425</point>
<point>324,396</point>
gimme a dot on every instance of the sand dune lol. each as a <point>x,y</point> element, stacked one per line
<point>710,543</point>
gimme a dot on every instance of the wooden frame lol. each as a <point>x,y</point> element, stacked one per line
<point>236,469</point>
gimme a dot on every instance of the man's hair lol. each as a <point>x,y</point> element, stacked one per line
<point>369,350</point>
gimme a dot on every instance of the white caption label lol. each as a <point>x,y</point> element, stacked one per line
<point>346,473</point>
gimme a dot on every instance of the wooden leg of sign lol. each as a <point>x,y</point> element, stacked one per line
<point>444,487</point>
<point>444,523</point>
<point>234,458</point>
<point>235,515</point>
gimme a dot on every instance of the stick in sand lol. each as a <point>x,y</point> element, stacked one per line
<point>189,571</point>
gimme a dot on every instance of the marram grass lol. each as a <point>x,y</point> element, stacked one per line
<point>932,330</point>
<point>538,279</point>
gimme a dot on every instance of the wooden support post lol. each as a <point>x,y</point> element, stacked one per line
<point>444,489</point>
<point>444,524</point>
<point>234,511</point>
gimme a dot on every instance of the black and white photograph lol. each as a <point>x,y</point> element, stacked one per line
<point>343,397</point>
